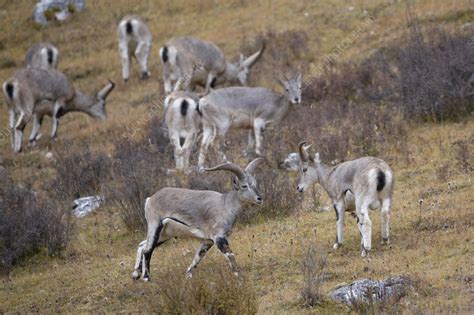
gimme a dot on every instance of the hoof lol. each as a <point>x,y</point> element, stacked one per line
<point>135,275</point>
<point>189,275</point>
<point>364,253</point>
<point>125,81</point>
<point>146,279</point>
<point>385,241</point>
<point>336,246</point>
<point>145,75</point>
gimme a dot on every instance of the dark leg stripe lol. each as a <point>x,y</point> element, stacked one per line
<point>223,244</point>
<point>177,220</point>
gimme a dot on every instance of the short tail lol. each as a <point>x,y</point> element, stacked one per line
<point>381,180</point>
<point>164,54</point>
<point>184,107</point>
<point>8,90</point>
<point>129,27</point>
<point>50,56</point>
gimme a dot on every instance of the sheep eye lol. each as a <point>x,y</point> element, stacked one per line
<point>304,170</point>
<point>244,186</point>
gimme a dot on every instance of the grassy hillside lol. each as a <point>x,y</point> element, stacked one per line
<point>94,272</point>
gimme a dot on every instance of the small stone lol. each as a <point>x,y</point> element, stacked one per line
<point>366,290</point>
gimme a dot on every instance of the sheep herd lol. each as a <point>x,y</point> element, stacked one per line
<point>192,69</point>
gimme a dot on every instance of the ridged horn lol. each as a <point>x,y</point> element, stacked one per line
<point>237,170</point>
<point>252,166</point>
<point>252,59</point>
<point>106,90</point>
<point>303,150</point>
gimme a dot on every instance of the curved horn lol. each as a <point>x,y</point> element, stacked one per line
<point>303,150</point>
<point>106,90</point>
<point>252,166</point>
<point>252,59</point>
<point>229,167</point>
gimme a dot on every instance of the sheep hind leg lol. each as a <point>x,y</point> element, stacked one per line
<point>154,233</point>
<point>385,220</point>
<point>207,138</point>
<point>37,121</point>
<point>340,213</point>
<point>137,269</point>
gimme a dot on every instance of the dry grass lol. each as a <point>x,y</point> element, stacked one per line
<point>94,273</point>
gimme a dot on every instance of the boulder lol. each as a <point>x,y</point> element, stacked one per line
<point>370,291</point>
<point>85,205</point>
<point>59,9</point>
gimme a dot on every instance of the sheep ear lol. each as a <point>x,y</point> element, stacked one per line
<point>316,158</point>
<point>297,76</point>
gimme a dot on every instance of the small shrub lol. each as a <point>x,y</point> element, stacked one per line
<point>29,223</point>
<point>314,265</point>
<point>463,156</point>
<point>284,53</point>
<point>139,170</point>
<point>80,172</point>
<point>279,194</point>
<point>442,172</point>
<point>7,63</point>
<point>50,14</point>
<point>434,73</point>
<point>223,293</point>
<point>71,8</point>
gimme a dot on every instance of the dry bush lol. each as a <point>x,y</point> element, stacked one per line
<point>284,53</point>
<point>138,172</point>
<point>314,266</point>
<point>433,79</point>
<point>212,290</point>
<point>463,155</point>
<point>139,169</point>
<point>80,172</point>
<point>280,197</point>
<point>29,223</point>
<point>442,172</point>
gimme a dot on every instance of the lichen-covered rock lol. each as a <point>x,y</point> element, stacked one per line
<point>369,291</point>
<point>45,10</point>
<point>85,205</point>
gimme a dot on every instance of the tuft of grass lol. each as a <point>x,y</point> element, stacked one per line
<point>212,290</point>
<point>7,63</point>
<point>314,267</point>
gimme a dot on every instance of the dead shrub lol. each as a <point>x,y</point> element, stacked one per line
<point>433,78</point>
<point>80,172</point>
<point>222,293</point>
<point>314,266</point>
<point>138,171</point>
<point>29,223</point>
<point>442,172</point>
<point>284,53</point>
<point>463,155</point>
<point>279,194</point>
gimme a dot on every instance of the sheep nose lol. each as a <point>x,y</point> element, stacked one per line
<point>297,100</point>
<point>300,189</point>
<point>259,199</point>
